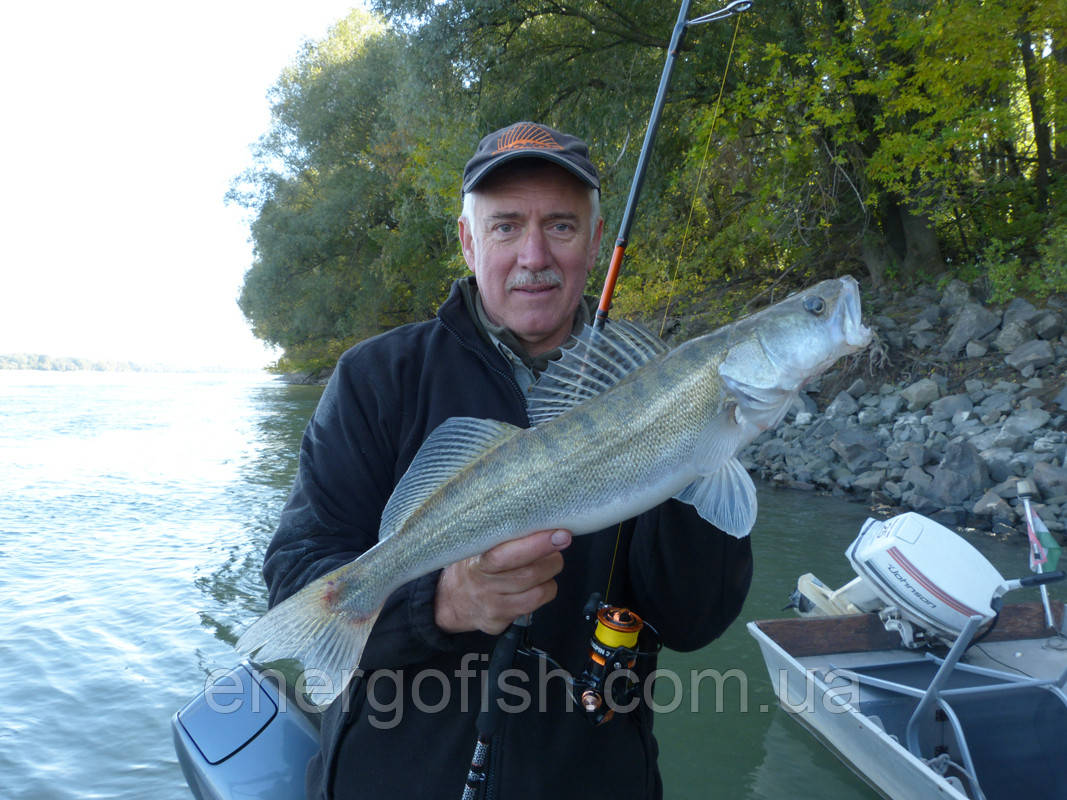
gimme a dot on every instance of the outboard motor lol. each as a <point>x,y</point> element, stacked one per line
<point>924,581</point>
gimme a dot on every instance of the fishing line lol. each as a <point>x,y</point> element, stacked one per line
<point>700,177</point>
<point>614,555</point>
<point>685,237</point>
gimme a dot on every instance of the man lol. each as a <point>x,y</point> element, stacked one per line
<point>529,232</point>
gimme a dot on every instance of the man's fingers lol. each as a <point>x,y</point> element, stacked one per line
<point>511,607</point>
<point>519,553</point>
<point>489,591</point>
<point>518,580</point>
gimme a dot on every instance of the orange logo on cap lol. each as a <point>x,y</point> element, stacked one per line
<point>526,137</point>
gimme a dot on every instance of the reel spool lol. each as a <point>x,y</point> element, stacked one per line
<point>613,646</point>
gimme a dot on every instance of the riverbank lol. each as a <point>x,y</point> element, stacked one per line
<point>955,402</point>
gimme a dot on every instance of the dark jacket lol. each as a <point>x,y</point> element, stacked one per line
<point>407,728</point>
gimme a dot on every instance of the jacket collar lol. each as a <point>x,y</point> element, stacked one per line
<point>469,304</point>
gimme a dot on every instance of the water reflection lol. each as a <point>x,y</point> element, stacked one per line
<point>797,766</point>
<point>278,414</point>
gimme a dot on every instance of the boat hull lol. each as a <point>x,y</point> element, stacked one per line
<point>809,662</point>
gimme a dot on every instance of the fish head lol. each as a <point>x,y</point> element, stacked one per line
<point>773,353</point>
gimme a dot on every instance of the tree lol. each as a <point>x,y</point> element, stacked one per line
<point>853,135</point>
<point>330,264</point>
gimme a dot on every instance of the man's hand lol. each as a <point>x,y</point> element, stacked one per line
<point>490,591</point>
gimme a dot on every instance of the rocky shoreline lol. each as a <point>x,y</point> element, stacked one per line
<point>953,404</point>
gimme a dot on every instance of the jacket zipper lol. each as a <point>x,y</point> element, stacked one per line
<point>507,376</point>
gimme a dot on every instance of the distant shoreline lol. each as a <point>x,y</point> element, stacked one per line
<point>45,363</point>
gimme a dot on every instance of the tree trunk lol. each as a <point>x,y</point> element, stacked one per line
<point>1035,94</point>
<point>910,239</point>
<point>1059,54</point>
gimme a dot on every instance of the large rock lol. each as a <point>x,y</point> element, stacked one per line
<point>869,417</point>
<point>1026,421</point>
<point>870,480</point>
<point>917,478</point>
<point>984,439</point>
<point>1049,325</point>
<point>909,431</point>
<point>910,454</point>
<point>1035,353</point>
<point>1054,443</point>
<point>947,407</point>
<point>992,505</point>
<point>917,501</point>
<point>998,462</point>
<point>1019,310</point>
<point>842,405</point>
<point>955,296</point>
<point>1000,402</point>
<point>921,393</point>
<point>857,387</point>
<point>1061,398</point>
<point>1050,479</point>
<point>974,322</point>
<point>858,448</point>
<point>960,474</point>
<point>987,502</point>
<point>1011,335</point>
<point>891,404</point>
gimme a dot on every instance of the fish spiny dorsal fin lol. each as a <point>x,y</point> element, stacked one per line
<point>591,363</point>
<point>451,448</point>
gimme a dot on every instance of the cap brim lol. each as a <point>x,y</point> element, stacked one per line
<point>479,174</point>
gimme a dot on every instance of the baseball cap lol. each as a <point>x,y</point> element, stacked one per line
<point>530,140</point>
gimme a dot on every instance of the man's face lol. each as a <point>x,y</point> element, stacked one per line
<point>531,245</point>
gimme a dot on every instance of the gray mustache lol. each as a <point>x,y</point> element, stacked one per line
<point>545,277</point>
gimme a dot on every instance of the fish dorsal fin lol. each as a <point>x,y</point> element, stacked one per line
<point>592,363</point>
<point>452,447</point>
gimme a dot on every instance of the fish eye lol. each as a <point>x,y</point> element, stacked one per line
<point>814,304</point>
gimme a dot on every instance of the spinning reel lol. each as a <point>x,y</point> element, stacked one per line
<point>608,681</point>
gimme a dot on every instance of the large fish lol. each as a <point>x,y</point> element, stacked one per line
<point>620,424</point>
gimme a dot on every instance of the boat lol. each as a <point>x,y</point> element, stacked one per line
<point>918,675</point>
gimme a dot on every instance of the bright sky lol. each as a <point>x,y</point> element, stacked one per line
<point>124,123</point>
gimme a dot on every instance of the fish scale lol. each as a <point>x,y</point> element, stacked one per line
<point>622,424</point>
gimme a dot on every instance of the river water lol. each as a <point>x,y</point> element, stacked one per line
<point>134,511</point>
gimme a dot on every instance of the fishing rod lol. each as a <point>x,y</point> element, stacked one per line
<point>508,643</point>
<point>680,28</point>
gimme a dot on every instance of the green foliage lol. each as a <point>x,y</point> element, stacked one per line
<point>898,138</point>
<point>1010,276</point>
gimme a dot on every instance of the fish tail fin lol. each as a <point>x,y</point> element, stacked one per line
<point>311,627</point>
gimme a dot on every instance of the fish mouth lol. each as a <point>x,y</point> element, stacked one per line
<point>857,335</point>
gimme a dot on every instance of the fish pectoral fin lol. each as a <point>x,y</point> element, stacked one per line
<point>452,447</point>
<point>761,408</point>
<point>720,440</point>
<point>726,499</point>
<point>309,628</point>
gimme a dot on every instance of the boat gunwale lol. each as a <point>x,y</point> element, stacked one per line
<point>857,633</point>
